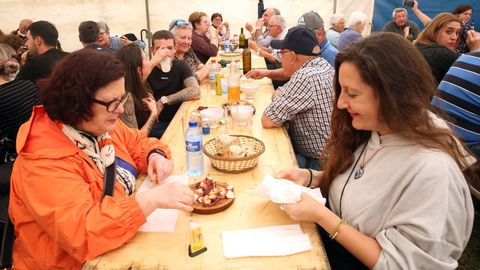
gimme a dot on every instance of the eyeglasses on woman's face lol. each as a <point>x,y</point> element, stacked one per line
<point>111,106</point>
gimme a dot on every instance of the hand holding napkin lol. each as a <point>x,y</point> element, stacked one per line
<point>285,191</point>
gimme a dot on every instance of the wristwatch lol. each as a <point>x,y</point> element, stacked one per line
<point>164,100</point>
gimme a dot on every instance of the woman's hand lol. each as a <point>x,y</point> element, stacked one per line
<point>307,209</point>
<point>159,167</point>
<point>151,105</point>
<point>297,175</point>
<point>473,40</point>
<point>174,195</point>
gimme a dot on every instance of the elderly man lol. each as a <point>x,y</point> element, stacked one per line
<point>170,87</point>
<point>262,38</point>
<point>277,30</point>
<point>114,43</point>
<point>401,25</point>
<point>42,54</point>
<point>305,102</point>
<point>313,21</point>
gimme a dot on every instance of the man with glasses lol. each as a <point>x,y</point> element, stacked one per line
<point>304,102</point>
<point>262,38</point>
<point>170,88</point>
<point>277,30</point>
<point>114,43</point>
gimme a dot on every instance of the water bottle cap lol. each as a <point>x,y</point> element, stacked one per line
<point>193,123</point>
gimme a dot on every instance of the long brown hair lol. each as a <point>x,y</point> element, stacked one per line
<point>403,85</point>
<point>131,56</point>
<point>429,34</point>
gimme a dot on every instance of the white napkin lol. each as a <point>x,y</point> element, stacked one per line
<point>285,191</point>
<point>266,241</point>
<point>161,220</point>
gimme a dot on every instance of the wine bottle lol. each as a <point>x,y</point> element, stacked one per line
<point>246,58</point>
<point>241,39</point>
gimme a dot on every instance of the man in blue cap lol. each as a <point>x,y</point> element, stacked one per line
<point>305,102</point>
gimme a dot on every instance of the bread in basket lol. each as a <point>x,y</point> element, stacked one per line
<point>234,154</point>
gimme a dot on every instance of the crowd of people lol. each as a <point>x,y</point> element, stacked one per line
<point>387,125</point>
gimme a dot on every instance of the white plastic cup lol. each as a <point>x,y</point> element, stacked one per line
<point>166,64</point>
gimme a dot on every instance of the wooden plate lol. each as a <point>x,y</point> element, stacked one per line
<point>220,206</point>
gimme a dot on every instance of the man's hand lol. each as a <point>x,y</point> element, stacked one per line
<point>257,74</point>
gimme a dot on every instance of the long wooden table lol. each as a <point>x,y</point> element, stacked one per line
<point>170,250</point>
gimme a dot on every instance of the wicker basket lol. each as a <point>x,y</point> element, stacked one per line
<point>234,165</point>
<point>232,56</point>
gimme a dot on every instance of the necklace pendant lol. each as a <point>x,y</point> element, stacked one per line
<point>358,173</point>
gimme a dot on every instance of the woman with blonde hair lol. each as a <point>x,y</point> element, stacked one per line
<point>397,197</point>
<point>204,38</point>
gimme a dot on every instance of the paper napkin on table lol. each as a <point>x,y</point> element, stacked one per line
<point>161,220</point>
<point>285,191</point>
<point>266,241</point>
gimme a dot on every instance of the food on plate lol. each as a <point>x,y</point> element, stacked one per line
<point>209,193</point>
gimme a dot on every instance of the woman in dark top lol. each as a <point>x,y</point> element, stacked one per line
<point>464,13</point>
<point>17,98</point>
<point>437,43</point>
<point>204,37</point>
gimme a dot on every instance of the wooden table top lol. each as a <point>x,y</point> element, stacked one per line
<point>170,250</point>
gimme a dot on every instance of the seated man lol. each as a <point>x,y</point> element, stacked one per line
<point>88,35</point>
<point>262,38</point>
<point>42,38</point>
<point>173,87</point>
<point>114,43</point>
<point>277,31</point>
<point>400,24</point>
<point>305,102</point>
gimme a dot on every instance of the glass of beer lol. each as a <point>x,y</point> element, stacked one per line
<point>234,87</point>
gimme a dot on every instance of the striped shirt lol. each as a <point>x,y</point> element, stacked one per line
<point>306,103</point>
<point>459,97</point>
<point>17,99</point>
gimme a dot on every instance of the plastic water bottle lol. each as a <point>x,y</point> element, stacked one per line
<point>227,45</point>
<point>193,143</point>
<point>213,69</point>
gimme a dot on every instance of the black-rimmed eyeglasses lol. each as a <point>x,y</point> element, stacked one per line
<point>114,104</point>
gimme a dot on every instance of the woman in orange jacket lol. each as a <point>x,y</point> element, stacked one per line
<point>56,200</point>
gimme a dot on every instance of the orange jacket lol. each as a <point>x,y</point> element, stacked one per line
<point>55,196</point>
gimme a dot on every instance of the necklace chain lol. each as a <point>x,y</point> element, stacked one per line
<point>364,163</point>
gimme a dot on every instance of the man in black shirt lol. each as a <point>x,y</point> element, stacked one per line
<point>42,38</point>
<point>170,87</point>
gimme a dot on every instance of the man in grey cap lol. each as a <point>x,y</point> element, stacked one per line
<point>314,22</point>
<point>305,102</point>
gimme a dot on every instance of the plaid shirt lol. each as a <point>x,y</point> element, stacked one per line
<point>305,102</point>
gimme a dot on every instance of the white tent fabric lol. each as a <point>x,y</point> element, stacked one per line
<point>124,16</point>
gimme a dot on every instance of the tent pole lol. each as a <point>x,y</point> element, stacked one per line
<point>334,6</point>
<point>149,34</point>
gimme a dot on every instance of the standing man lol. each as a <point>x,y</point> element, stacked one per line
<point>170,88</point>
<point>42,38</point>
<point>305,102</point>
<point>401,25</point>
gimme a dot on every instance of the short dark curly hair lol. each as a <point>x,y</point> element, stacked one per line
<point>69,92</point>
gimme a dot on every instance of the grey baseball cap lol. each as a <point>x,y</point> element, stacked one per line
<point>311,20</point>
